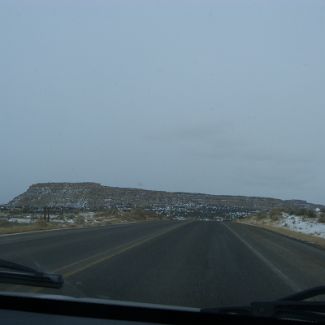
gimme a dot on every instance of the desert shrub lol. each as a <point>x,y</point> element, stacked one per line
<point>275,217</point>
<point>5,223</point>
<point>41,223</point>
<point>260,215</point>
<point>275,214</point>
<point>141,214</point>
<point>80,220</point>
<point>292,211</point>
<point>107,212</point>
<point>321,218</point>
<point>303,212</point>
<point>311,214</point>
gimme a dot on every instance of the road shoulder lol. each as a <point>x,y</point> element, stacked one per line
<point>309,239</point>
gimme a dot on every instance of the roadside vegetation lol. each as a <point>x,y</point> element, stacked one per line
<point>303,224</point>
<point>277,213</point>
<point>21,220</point>
<point>10,227</point>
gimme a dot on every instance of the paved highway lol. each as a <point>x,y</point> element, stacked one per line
<point>196,264</point>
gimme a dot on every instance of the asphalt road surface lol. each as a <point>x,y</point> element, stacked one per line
<point>195,264</point>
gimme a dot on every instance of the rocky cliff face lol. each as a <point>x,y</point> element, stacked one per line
<point>94,196</point>
<point>71,195</point>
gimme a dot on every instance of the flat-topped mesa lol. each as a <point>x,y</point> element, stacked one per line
<point>65,184</point>
<point>94,196</point>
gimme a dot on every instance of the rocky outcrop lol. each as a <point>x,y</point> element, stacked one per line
<point>95,196</point>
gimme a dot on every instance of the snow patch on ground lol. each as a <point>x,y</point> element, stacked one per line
<point>26,220</point>
<point>301,224</point>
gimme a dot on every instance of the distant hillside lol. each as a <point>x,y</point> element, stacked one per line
<point>93,196</point>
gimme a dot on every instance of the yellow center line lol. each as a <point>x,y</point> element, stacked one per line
<point>91,261</point>
<point>120,250</point>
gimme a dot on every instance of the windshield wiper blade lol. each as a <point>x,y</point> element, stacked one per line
<point>290,307</point>
<point>307,310</point>
<point>293,306</point>
<point>15,273</point>
<point>305,294</point>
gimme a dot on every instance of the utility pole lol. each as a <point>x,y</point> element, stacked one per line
<point>46,214</point>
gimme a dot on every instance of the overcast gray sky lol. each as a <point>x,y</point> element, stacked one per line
<point>221,97</point>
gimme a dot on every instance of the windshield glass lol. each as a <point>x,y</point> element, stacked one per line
<point>166,152</point>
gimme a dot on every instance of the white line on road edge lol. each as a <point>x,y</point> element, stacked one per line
<point>275,269</point>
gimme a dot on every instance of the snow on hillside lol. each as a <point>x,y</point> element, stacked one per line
<point>309,226</point>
